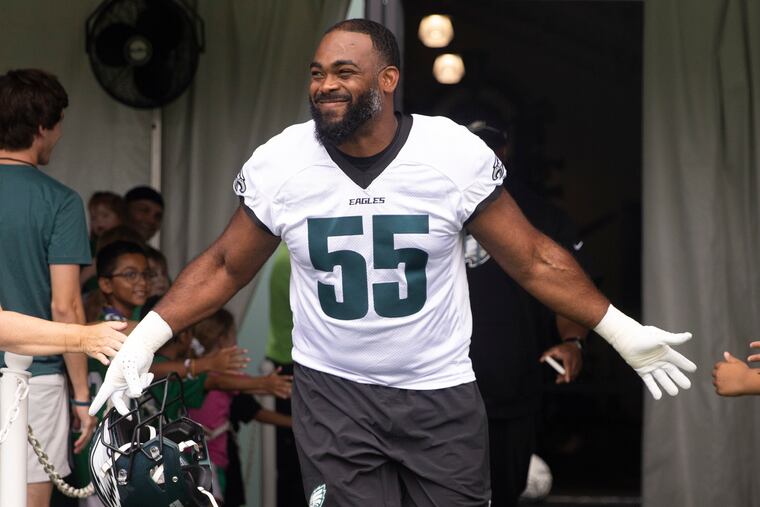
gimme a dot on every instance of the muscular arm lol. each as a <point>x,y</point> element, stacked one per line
<point>217,274</point>
<point>541,266</point>
<point>567,329</point>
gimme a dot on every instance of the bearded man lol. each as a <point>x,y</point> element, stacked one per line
<point>372,205</point>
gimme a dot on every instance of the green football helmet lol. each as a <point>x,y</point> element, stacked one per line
<point>143,459</point>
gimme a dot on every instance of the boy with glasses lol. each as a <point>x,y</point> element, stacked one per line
<point>123,276</point>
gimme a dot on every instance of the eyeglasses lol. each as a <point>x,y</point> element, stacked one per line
<point>132,276</point>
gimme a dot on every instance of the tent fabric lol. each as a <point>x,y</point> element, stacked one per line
<point>702,241</point>
<point>251,82</point>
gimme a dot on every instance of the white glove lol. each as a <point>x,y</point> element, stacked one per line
<point>128,374</point>
<point>647,350</point>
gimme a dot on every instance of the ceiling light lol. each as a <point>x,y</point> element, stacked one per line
<point>448,68</point>
<point>436,31</point>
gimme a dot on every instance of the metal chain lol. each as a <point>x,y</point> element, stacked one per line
<point>64,488</point>
<point>22,390</point>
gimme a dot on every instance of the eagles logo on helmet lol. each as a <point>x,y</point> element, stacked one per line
<point>143,458</point>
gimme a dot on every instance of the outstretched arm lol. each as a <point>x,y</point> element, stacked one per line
<point>31,336</point>
<point>551,274</point>
<point>210,280</point>
<point>201,288</point>
<point>540,265</point>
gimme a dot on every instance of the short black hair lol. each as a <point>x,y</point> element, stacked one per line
<point>144,192</point>
<point>383,39</point>
<point>29,99</point>
<point>109,255</point>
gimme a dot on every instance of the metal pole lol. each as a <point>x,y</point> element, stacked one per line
<point>268,449</point>
<point>13,450</point>
<point>155,162</point>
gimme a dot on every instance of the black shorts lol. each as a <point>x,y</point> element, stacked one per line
<point>363,445</point>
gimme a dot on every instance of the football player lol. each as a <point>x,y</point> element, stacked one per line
<point>372,204</point>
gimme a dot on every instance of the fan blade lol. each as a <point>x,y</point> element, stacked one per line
<point>162,22</point>
<point>109,44</point>
<point>154,80</point>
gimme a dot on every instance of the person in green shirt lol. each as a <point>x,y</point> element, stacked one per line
<point>44,243</point>
<point>279,346</point>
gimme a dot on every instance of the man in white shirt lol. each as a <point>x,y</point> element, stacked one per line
<point>372,205</point>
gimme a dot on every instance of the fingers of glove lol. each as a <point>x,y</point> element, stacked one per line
<point>651,385</point>
<point>675,338</point>
<point>665,382</point>
<point>679,360</point>
<point>133,379</point>
<point>101,397</point>
<point>677,376</point>
<point>119,401</point>
<point>146,379</point>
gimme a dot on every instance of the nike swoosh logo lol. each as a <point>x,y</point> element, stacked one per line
<point>577,246</point>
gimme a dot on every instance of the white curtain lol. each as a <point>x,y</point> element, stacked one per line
<point>702,241</point>
<point>251,83</point>
<point>105,145</point>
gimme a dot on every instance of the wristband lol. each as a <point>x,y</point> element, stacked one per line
<point>577,340</point>
<point>189,369</point>
<point>78,403</point>
<point>152,332</point>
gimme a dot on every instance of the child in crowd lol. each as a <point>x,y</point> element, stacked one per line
<point>214,333</point>
<point>122,273</point>
<point>734,377</point>
<point>107,210</point>
<point>123,279</point>
<point>159,272</point>
<point>93,298</point>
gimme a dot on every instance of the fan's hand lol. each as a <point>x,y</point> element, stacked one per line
<point>647,350</point>
<point>128,374</point>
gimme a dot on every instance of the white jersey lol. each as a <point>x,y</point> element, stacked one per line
<point>378,285</point>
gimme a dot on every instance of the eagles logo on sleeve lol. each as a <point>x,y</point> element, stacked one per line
<point>239,183</point>
<point>498,169</point>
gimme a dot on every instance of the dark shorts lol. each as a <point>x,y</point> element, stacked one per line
<point>368,445</point>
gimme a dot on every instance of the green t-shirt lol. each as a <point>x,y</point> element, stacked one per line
<point>280,342</point>
<point>42,222</point>
<point>194,391</point>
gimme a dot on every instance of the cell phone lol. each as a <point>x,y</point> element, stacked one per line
<point>554,364</point>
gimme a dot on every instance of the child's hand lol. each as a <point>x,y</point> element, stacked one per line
<point>279,385</point>
<point>754,357</point>
<point>229,360</point>
<point>733,377</point>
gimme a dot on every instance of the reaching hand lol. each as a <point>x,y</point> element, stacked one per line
<point>570,356</point>
<point>229,360</point>
<point>733,377</point>
<point>647,350</point>
<point>128,374</point>
<point>754,357</point>
<point>279,385</point>
<point>86,424</point>
<point>103,340</point>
